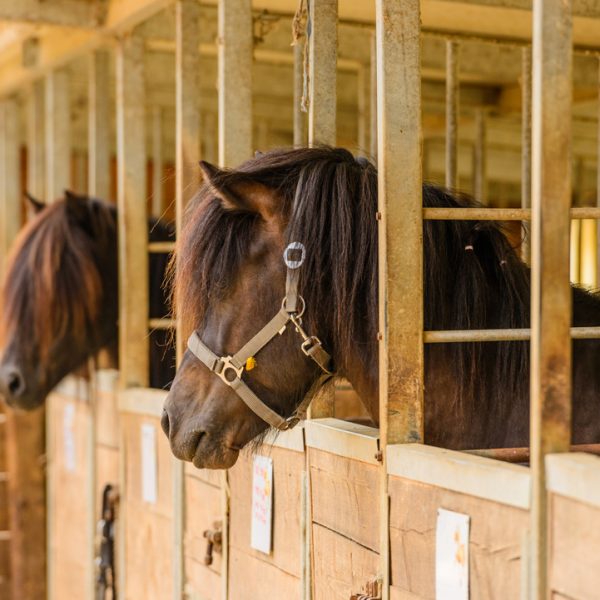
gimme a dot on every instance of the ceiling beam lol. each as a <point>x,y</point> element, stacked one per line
<point>66,13</point>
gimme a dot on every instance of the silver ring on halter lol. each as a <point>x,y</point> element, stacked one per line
<point>298,313</point>
<point>290,263</point>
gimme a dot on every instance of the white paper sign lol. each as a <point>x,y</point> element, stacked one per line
<point>262,504</point>
<point>452,556</point>
<point>69,437</point>
<point>149,469</point>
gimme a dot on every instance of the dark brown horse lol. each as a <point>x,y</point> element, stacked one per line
<point>230,280</point>
<point>60,298</point>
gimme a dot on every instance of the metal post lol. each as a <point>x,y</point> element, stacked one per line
<point>235,81</point>
<point>598,186</point>
<point>157,161</point>
<point>133,224</point>
<point>550,293</point>
<point>300,131</point>
<point>322,72</point>
<point>363,81</point>
<point>479,157</point>
<point>452,114</point>
<point>58,134</point>
<point>373,99</point>
<point>400,237</point>
<point>36,140</point>
<point>526,147</point>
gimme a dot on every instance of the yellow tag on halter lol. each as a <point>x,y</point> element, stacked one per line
<point>250,363</point>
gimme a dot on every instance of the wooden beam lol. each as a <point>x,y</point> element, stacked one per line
<point>67,13</point>
<point>526,147</point>
<point>99,118</point>
<point>322,72</point>
<point>479,157</point>
<point>550,291</point>
<point>363,83</point>
<point>235,42</point>
<point>452,91</point>
<point>157,160</point>
<point>300,130</point>
<point>58,134</point>
<point>36,140</point>
<point>133,225</point>
<point>373,97</point>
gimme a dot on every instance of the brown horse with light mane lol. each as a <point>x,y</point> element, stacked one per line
<point>230,279</point>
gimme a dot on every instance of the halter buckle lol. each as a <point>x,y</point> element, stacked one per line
<point>224,369</point>
<point>309,343</point>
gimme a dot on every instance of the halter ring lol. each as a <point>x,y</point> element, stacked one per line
<point>302,304</point>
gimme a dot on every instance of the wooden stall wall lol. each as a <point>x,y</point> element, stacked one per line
<point>493,494</point>
<point>344,507</point>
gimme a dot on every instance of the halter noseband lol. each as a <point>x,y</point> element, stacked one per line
<point>230,368</point>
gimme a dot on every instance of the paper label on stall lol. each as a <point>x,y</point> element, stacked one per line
<point>262,504</point>
<point>149,469</point>
<point>69,437</point>
<point>452,556</point>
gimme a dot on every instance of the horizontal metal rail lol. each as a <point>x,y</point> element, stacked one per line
<point>521,455</point>
<point>499,214</point>
<point>162,324</point>
<point>161,247</point>
<point>455,336</point>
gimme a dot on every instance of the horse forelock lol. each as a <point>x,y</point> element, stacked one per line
<point>53,284</point>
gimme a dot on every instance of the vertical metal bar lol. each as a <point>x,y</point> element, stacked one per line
<point>209,137</point>
<point>479,157</point>
<point>99,125</point>
<point>363,80</point>
<point>36,140</point>
<point>526,148</point>
<point>598,185</point>
<point>400,237</point>
<point>187,155</point>
<point>157,161</point>
<point>58,134</point>
<point>133,222</point>
<point>235,41</point>
<point>452,114</point>
<point>300,131</point>
<point>373,99</point>
<point>322,72</point>
<point>551,293</point>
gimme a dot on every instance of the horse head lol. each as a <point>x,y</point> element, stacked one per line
<point>58,300</point>
<point>289,227</point>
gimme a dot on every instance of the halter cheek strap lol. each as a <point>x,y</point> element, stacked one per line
<point>230,368</point>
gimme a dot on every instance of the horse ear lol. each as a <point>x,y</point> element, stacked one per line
<point>36,205</point>
<point>214,177</point>
<point>76,205</point>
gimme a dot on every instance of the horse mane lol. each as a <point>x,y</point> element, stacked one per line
<point>473,277</point>
<point>53,283</point>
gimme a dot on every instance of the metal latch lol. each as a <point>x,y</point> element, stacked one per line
<point>214,541</point>
<point>372,591</point>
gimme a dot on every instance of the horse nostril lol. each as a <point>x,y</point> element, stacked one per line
<point>164,422</point>
<point>15,382</point>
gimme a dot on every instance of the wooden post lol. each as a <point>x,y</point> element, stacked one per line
<point>58,134</point>
<point>373,99</point>
<point>99,116</point>
<point>550,291</point>
<point>598,186</point>
<point>36,140</point>
<point>400,238</point>
<point>479,157</point>
<point>452,114</point>
<point>187,155</point>
<point>157,161</point>
<point>133,223</point>
<point>363,82</point>
<point>322,72</point>
<point>25,431</point>
<point>526,148</point>
<point>300,131</point>
<point>235,41</point>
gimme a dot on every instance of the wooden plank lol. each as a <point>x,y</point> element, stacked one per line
<point>344,497</point>
<point>550,288</point>
<point>36,140</point>
<point>235,41</point>
<point>575,476</point>
<point>99,116</point>
<point>452,92</point>
<point>133,225</point>
<point>341,566</point>
<point>526,147</point>
<point>66,13</point>
<point>58,134</point>
<point>497,532</point>
<point>480,157</point>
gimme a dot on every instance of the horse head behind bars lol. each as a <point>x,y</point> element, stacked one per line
<point>231,275</point>
<point>60,298</point>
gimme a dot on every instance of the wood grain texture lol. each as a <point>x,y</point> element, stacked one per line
<point>496,538</point>
<point>345,496</point>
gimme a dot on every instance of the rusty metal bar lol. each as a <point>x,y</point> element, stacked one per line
<point>499,335</point>
<point>235,41</point>
<point>526,146</point>
<point>133,224</point>
<point>322,72</point>
<point>479,157</point>
<point>500,214</point>
<point>98,130</point>
<point>550,288</point>
<point>452,91</point>
<point>522,455</point>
